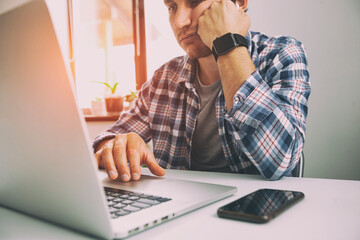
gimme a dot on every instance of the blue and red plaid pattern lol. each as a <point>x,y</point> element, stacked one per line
<point>263,133</point>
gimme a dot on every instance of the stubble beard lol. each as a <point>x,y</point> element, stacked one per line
<point>195,51</point>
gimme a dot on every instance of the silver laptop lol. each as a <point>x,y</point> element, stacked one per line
<point>47,168</point>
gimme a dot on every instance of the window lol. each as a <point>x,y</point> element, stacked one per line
<point>161,44</point>
<point>121,41</point>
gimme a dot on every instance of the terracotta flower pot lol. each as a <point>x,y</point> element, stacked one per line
<point>114,104</point>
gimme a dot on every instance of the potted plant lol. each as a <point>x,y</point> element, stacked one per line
<point>98,107</point>
<point>130,99</point>
<point>114,103</point>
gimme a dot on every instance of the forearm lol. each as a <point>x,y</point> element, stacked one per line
<point>234,67</point>
<point>274,147</point>
<point>269,130</point>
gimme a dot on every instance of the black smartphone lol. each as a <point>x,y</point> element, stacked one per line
<point>260,206</point>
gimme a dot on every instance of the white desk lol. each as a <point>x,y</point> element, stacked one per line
<point>330,210</point>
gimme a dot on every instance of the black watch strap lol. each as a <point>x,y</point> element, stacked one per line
<point>226,43</point>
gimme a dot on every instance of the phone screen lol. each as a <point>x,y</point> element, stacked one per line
<point>261,205</point>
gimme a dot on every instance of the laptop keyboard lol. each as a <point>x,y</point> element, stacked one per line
<point>123,202</point>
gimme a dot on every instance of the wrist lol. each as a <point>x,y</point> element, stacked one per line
<point>102,143</point>
<point>226,43</point>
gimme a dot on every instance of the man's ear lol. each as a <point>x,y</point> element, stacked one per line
<point>242,4</point>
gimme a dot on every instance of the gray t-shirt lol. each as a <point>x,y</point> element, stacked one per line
<point>207,153</point>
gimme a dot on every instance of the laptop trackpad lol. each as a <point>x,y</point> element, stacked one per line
<point>168,187</point>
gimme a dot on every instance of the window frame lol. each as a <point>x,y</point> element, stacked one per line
<point>139,39</point>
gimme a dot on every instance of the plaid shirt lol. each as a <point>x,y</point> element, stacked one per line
<point>263,133</point>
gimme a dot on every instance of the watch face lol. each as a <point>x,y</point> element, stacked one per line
<point>224,43</point>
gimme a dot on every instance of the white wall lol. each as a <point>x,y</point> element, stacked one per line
<point>330,31</point>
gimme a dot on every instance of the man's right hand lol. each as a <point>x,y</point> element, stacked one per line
<point>123,156</point>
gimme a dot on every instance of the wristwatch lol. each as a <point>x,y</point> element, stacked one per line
<point>226,43</point>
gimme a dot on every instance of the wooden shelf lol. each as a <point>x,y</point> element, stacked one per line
<point>96,118</point>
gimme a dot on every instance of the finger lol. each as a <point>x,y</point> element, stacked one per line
<point>98,153</point>
<point>98,158</point>
<point>108,160</point>
<point>148,159</point>
<point>133,150</point>
<point>120,159</point>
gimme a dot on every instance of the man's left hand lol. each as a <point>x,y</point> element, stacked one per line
<point>222,17</point>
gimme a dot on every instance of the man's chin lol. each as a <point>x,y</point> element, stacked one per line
<point>196,56</point>
<point>199,54</point>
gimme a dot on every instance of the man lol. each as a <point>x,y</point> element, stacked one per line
<point>231,107</point>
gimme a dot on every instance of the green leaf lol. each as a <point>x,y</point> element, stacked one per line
<point>112,88</point>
